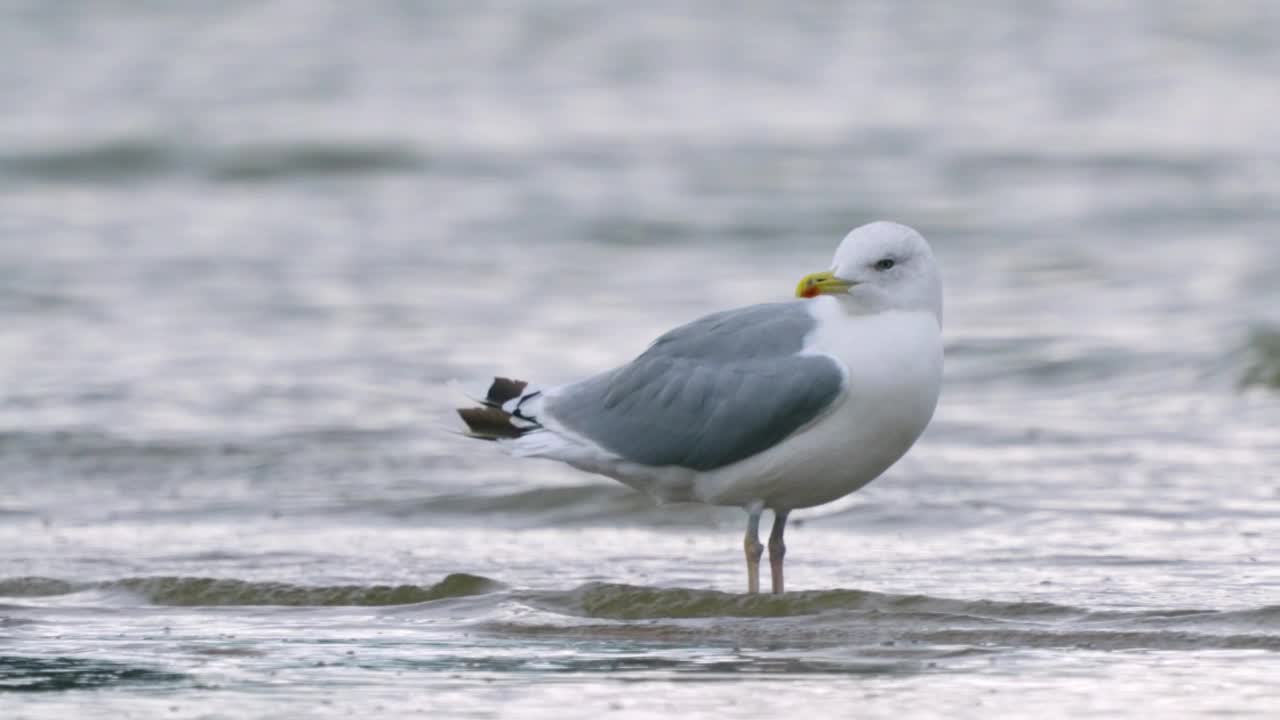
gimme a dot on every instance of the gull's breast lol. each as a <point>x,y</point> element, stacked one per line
<point>893,366</point>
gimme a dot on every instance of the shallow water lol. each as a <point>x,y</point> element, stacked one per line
<point>244,247</point>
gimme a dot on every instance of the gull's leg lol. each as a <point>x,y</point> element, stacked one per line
<point>777,550</point>
<point>751,545</point>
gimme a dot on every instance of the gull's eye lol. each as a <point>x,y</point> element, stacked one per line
<point>884,264</point>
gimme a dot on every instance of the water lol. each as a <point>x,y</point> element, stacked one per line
<point>244,247</point>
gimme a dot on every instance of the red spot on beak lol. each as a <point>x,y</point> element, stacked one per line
<point>810,292</point>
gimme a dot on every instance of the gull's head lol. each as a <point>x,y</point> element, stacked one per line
<point>878,267</point>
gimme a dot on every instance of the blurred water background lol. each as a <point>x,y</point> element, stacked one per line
<point>244,246</point>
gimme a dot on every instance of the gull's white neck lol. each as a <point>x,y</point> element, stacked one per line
<point>865,306</point>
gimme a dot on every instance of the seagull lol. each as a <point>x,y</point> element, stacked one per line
<point>778,406</point>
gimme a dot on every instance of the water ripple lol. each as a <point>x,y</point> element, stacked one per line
<point>36,674</point>
<point>209,592</point>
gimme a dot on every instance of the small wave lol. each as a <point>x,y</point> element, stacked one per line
<point>210,591</point>
<point>126,159</point>
<point>105,451</point>
<point>1263,364</point>
<point>629,602</point>
<point>1266,617</point>
<point>23,587</point>
<point>894,625</point>
<point>1111,640</point>
<point>120,159</point>
<point>268,162</point>
<point>97,445</point>
<point>206,592</point>
<point>907,638</point>
<point>620,664</point>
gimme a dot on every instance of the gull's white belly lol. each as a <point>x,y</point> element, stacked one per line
<point>894,366</point>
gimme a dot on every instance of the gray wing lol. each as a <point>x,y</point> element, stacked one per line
<point>706,394</point>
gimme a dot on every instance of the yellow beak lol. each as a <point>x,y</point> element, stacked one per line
<point>821,283</point>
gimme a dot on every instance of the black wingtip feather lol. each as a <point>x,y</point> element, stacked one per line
<point>504,389</point>
<point>489,423</point>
